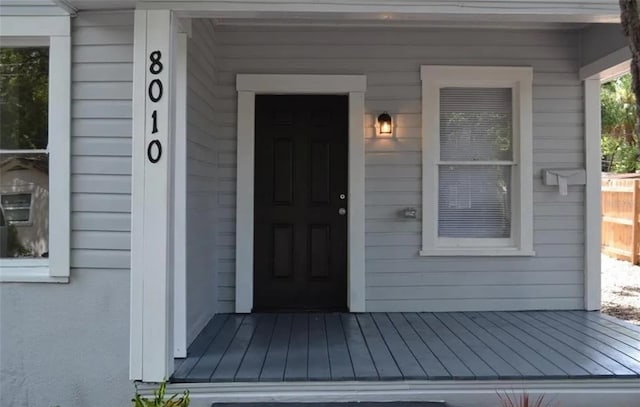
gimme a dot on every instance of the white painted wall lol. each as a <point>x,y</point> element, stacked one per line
<point>68,344</point>
<point>396,277</point>
<point>202,178</point>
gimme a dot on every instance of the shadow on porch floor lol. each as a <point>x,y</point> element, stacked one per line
<point>411,346</point>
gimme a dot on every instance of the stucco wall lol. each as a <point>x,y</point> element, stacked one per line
<point>66,345</point>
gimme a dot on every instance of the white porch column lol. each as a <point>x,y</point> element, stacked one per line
<point>152,221</point>
<point>593,211</point>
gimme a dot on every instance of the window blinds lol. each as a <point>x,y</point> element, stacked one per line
<point>476,157</point>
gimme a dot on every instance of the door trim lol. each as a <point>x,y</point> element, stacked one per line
<point>250,85</point>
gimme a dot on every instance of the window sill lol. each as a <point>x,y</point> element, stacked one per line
<point>28,271</point>
<point>476,251</point>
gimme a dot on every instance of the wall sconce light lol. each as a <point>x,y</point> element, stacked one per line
<point>385,125</point>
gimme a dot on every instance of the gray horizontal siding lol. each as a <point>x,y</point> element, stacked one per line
<point>397,278</point>
<point>31,8</point>
<point>102,78</point>
<point>201,180</point>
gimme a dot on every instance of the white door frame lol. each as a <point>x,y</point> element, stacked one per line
<point>250,85</point>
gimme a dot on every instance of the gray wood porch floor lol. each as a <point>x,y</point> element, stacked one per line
<point>412,346</point>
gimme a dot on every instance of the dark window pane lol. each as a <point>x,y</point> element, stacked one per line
<point>24,203</point>
<point>24,98</point>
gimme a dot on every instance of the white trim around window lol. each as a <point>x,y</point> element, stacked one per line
<point>54,32</point>
<point>519,79</point>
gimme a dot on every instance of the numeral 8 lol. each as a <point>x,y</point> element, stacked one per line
<point>156,66</point>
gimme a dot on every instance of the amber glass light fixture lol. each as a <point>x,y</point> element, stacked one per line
<point>385,125</point>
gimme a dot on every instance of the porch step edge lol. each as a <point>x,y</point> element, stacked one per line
<point>459,393</point>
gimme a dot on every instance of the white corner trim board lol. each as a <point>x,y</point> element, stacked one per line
<point>593,210</point>
<point>180,198</point>
<point>250,85</point>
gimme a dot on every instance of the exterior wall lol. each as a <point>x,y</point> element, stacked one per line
<point>30,8</point>
<point>68,344</point>
<point>396,277</point>
<point>202,222</point>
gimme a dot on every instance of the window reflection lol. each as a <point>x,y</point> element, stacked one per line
<point>24,161</point>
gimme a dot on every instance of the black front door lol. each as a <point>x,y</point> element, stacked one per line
<point>300,242</point>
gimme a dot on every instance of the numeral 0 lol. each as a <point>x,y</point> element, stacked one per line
<point>155,90</point>
<point>154,158</point>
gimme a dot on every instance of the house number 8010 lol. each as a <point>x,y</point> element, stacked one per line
<point>155,93</point>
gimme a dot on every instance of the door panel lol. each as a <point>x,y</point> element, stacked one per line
<point>300,242</point>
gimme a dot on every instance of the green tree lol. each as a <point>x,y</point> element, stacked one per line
<point>630,20</point>
<point>24,95</point>
<point>619,119</point>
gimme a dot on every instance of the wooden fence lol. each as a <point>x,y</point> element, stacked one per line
<point>620,216</point>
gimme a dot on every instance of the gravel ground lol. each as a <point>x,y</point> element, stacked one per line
<point>621,289</point>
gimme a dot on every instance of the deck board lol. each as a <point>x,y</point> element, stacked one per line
<point>411,346</point>
<point>230,361</point>
<point>202,371</point>
<point>612,326</point>
<point>454,365</point>
<point>493,359</point>
<point>586,339</point>
<point>199,345</point>
<point>380,353</point>
<point>360,353</point>
<point>276,359</point>
<point>407,363</point>
<point>339,357</point>
<point>513,340</point>
<point>480,369</point>
<point>319,368</point>
<point>587,330</point>
<point>600,362</point>
<point>251,365</point>
<point>297,357</point>
<point>432,367</point>
<point>514,358</point>
<point>614,334</point>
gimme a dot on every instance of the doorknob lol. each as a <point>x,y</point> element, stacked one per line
<point>342,211</point>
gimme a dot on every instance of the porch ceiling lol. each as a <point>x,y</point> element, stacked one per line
<point>367,22</point>
<point>579,11</point>
<point>412,346</point>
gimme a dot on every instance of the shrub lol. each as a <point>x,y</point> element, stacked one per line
<point>159,400</point>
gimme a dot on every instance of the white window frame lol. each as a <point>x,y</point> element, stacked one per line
<point>53,31</point>
<point>519,79</point>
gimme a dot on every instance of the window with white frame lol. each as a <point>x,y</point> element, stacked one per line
<point>477,165</point>
<point>35,71</point>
